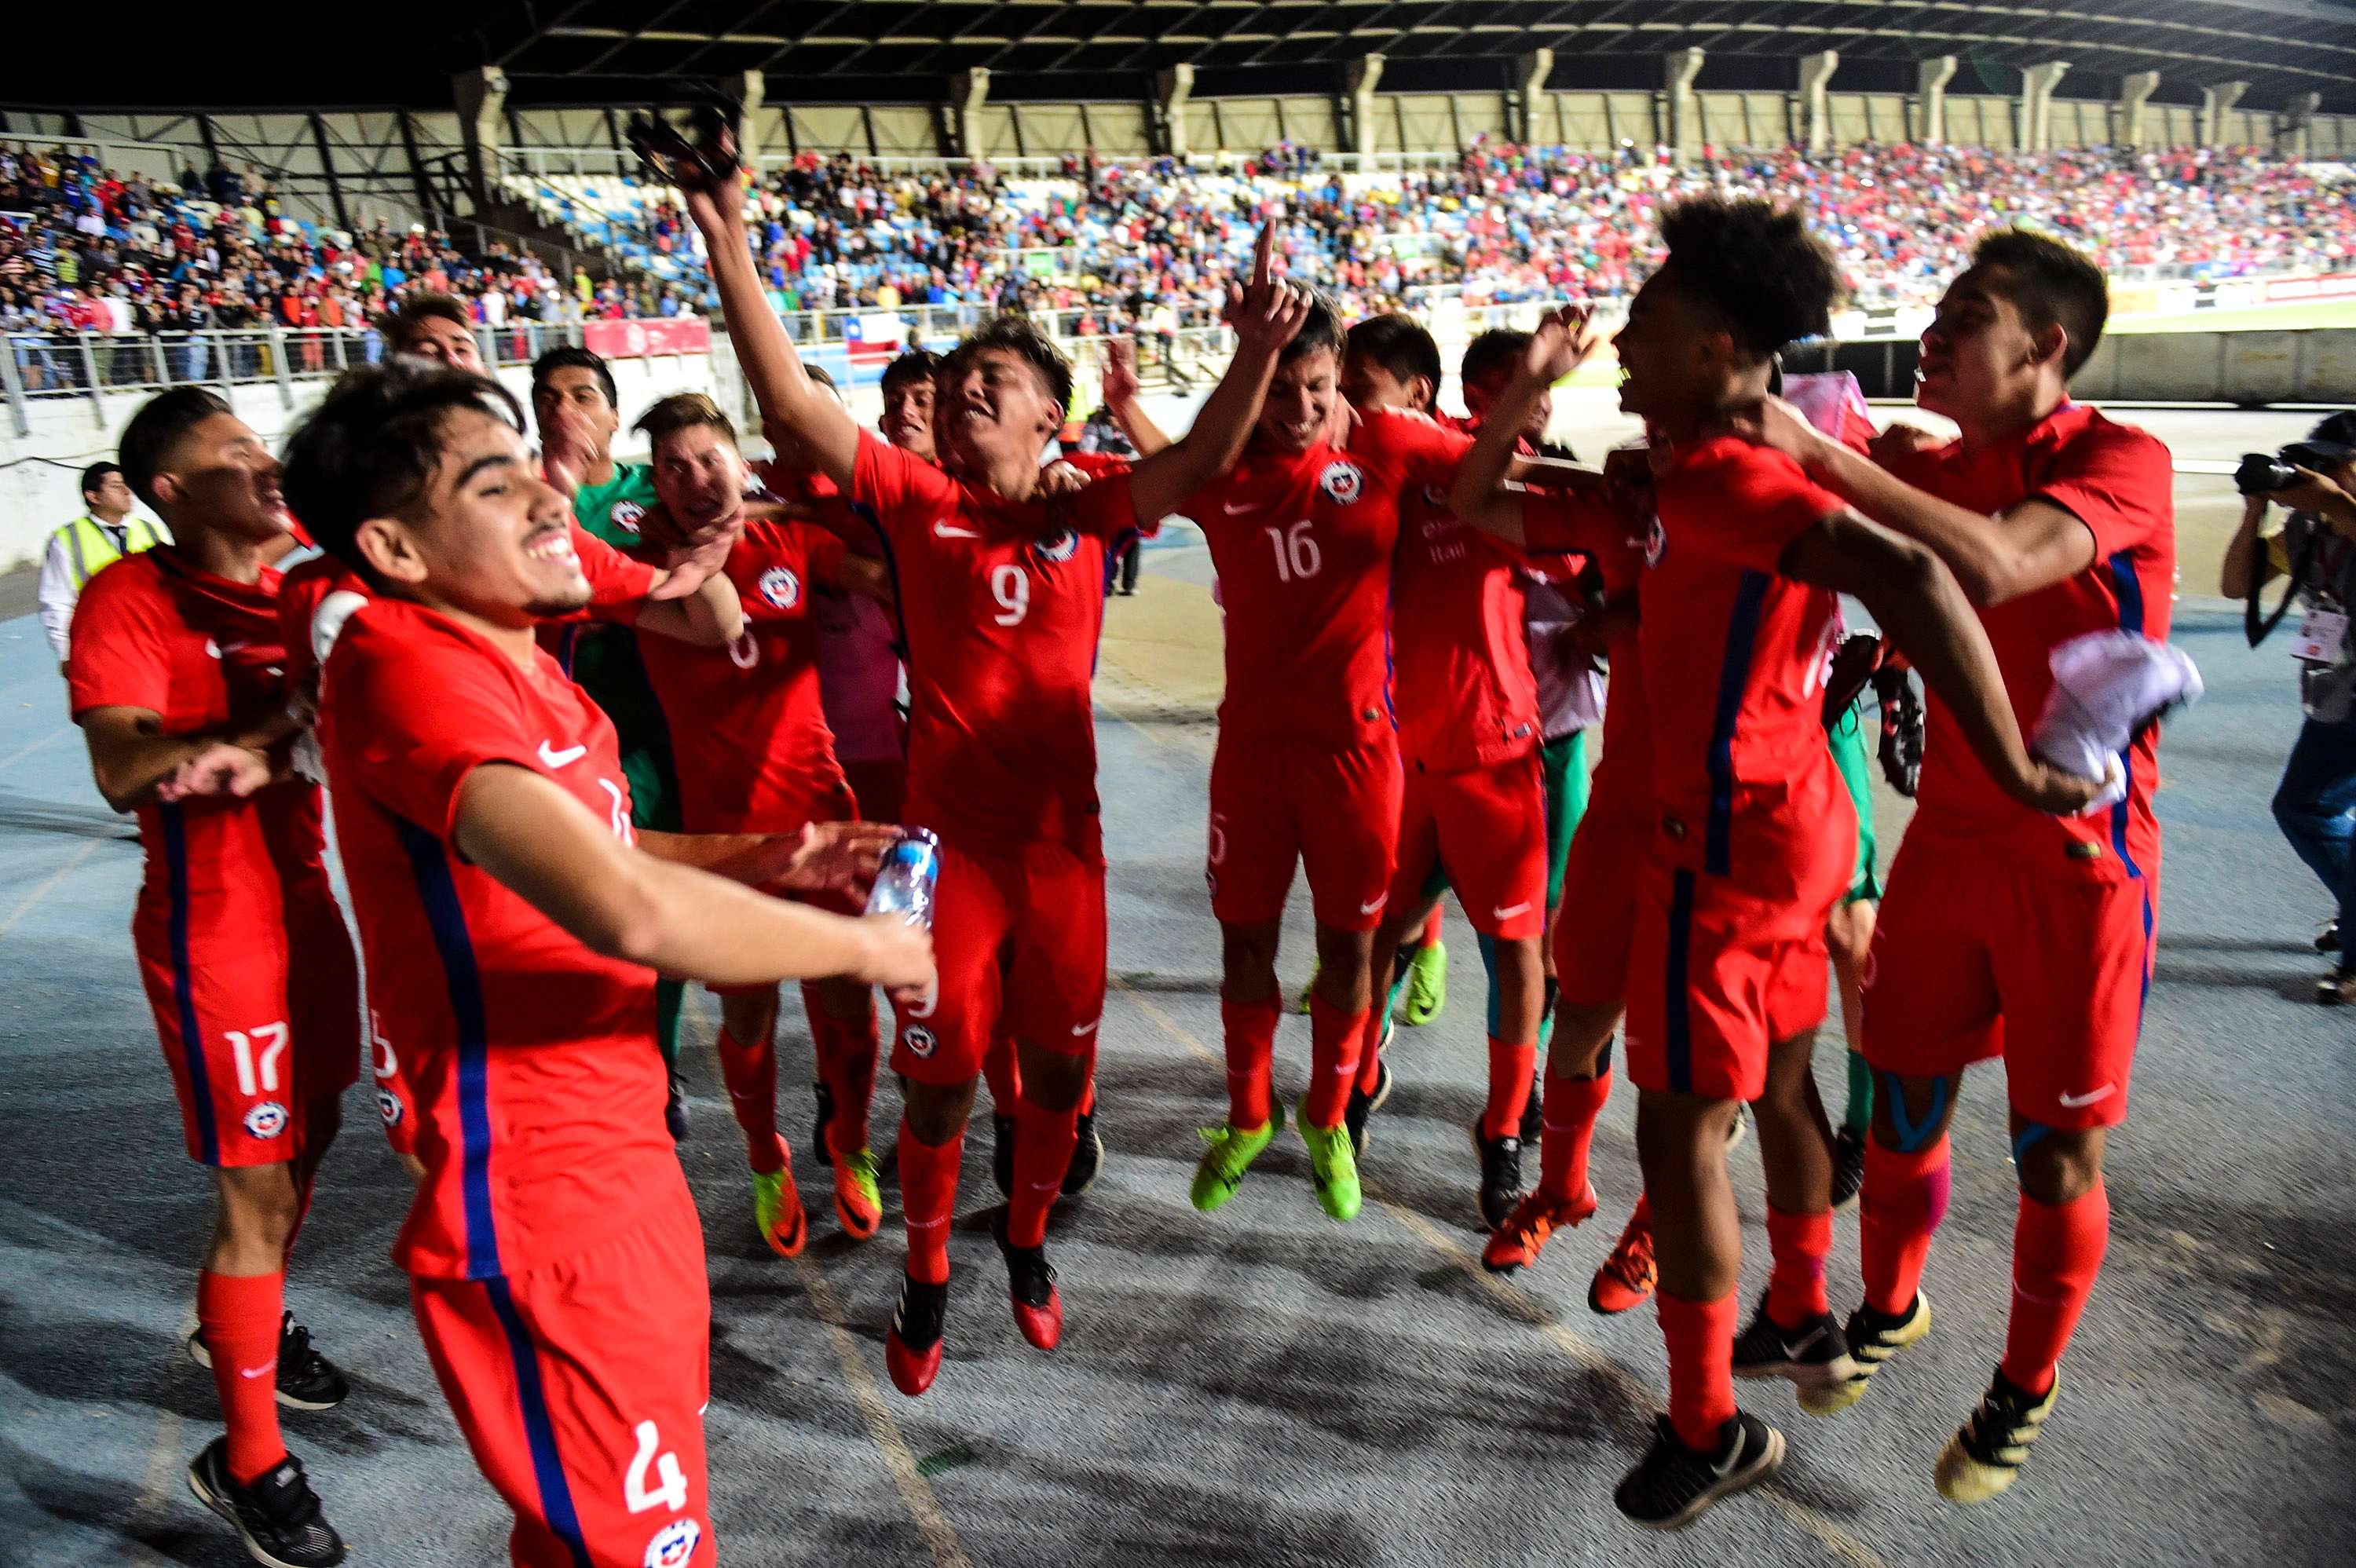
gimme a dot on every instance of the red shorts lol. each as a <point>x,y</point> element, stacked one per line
<point>1721,967</point>
<point>1975,956</point>
<point>257,1027</point>
<point>1280,801</point>
<point>835,804</point>
<point>1597,915</point>
<point>1019,945</point>
<point>581,1386</point>
<point>1487,825</point>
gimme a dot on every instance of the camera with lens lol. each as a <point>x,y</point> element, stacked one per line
<point>2259,473</point>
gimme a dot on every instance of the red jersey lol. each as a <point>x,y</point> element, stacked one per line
<point>2119,482</point>
<point>619,587</point>
<point>1302,544</point>
<point>1554,521</point>
<point>1734,658</point>
<point>203,653</point>
<point>1001,603</point>
<point>538,1092</point>
<point>748,732</point>
<point>1460,651</point>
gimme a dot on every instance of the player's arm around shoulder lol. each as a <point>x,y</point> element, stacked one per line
<point>1912,595</point>
<point>541,844</point>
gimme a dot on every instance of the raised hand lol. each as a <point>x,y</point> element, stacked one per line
<point>1266,312</point>
<point>1899,441</point>
<point>1775,424</point>
<point>1120,385</point>
<point>1563,342</point>
<point>835,857</point>
<point>565,451</point>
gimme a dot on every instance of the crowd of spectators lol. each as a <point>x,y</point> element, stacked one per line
<point>1108,244</point>
<point>83,249</point>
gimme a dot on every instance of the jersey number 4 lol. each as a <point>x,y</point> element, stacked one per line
<point>1297,556</point>
<point>670,1490</point>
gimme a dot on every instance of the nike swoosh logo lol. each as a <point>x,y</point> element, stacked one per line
<point>549,757</point>
<point>945,530</point>
<point>1235,511</point>
<point>1087,1028</point>
<point>262,1370</point>
<point>1371,907</point>
<point>1510,911</point>
<point>2078,1102</point>
<point>1721,1468</point>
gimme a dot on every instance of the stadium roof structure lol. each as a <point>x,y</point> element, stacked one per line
<point>620,52</point>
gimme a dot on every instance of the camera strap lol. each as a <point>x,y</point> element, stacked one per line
<point>2256,624</point>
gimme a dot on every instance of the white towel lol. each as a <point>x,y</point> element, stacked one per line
<point>2106,687</point>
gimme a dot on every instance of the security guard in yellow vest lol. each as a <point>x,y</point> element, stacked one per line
<point>105,534</point>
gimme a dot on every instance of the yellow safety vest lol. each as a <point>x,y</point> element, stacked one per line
<point>88,547</point>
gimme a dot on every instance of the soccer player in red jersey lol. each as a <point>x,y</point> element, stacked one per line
<point>1467,737</point>
<point>2006,932</point>
<point>754,755</point>
<point>1307,767</point>
<point>514,921</point>
<point>175,678</point>
<point>1001,599</point>
<point>1753,841</point>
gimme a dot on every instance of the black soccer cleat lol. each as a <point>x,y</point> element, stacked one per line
<point>1813,1355</point>
<point>1362,1104</point>
<point>912,1346</point>
<point>306,1380</point>
<point>2327,939</point>
<point>1088,1158</point>
<point>1673,1485</point>
<point>1030,1289</point>
<point>1501,1175</point>
<point>1849,1166</point>
<point>1984,1456</point>
<point>276,1515</point>
<point>675,1110</point>
<point>1001,1153</point>
<point>1534,1112</point>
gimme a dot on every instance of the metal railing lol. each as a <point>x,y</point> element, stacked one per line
<point>49,364</point>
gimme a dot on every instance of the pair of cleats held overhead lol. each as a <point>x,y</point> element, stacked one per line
<point>275,1514</point>
<point>1333,1167</point>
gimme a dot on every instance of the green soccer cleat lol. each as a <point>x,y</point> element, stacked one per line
<point>1427,984</point>
<point>1333,1169</point>
<point>777,1210</point>
<point>1230,1155</point>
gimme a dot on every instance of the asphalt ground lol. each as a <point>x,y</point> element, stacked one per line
<point>1263,1386</point>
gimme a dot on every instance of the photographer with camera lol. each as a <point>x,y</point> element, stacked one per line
<point>2315,548</point>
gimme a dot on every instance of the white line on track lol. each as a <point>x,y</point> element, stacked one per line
<point>89,848</point>
<point>21,752</point>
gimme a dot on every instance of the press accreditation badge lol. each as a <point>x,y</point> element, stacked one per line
<point>2322,637</point>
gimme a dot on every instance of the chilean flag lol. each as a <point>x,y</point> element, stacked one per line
<point>873,339</point>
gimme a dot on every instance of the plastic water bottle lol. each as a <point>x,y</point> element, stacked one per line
<point>903,882</point>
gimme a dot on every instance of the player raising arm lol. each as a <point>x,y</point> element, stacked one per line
<point>513,922</point>
<point>1001,599</point>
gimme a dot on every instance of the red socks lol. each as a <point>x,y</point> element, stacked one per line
<point>1510,1067</point>
<point>2057,1250</point>
<point>928,1183</point>
<point>1333,1052</point>
<point>1250,1031</point>
<point>750,1071</point>
<point>1370,1053</point>
<point>1905,1199</point>
<point>1701,1366</point>
<point>1571,1106</point>
<point>1004,1076</point>
<point>1043,1151</point>
<point>239,1317</point>
<point>846,1052</point>
<point>1800,1243</point>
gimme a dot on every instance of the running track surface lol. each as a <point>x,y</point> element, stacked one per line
<point>1263,1386</point>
